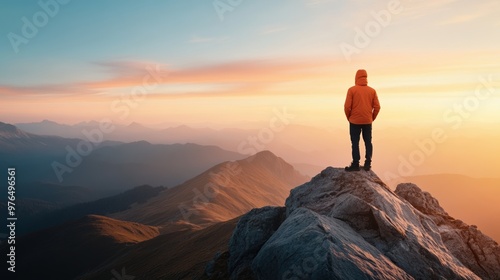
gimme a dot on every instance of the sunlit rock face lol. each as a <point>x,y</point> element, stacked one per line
<point>350,225</point>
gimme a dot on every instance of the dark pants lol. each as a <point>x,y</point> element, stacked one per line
<point>366,130</point>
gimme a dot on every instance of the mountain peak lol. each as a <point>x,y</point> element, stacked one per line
<point>267,158</point>
<point>48,122</point>
<point>135,125</point>
<point>223,192</point>
<point>350,225</point>
<point>265,155</point>
<point>11,131</point>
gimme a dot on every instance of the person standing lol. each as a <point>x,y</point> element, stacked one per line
<point>361,109</point>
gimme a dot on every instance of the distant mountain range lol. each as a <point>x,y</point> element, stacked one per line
<point>109,165</point>
<point>307,145</point>
<point>295,143</point>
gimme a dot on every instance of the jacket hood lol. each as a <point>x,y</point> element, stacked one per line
<point>361,78</point>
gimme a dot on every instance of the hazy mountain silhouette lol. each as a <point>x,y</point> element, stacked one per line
<point>33,154</point>
<point>305,144</point>
<point>110,165</point>
<point>289,140</point>
<point>57,194</point>
<point>132,164</point>
<point>47,127</point>
<point>124,133</point>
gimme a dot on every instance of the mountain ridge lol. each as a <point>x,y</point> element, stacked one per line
<point>107,165</point>
<point>227,190</point>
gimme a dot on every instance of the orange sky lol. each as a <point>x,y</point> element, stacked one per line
<point>412,89</point>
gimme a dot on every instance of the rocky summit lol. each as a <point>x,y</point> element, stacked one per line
<point>350,225</point>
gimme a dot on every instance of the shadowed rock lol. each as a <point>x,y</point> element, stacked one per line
<point>252,231</point>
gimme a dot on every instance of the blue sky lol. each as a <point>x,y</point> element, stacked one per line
<point>443,43</point>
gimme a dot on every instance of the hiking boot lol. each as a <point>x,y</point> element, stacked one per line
<point>367,166</point>
<point>352,167</point>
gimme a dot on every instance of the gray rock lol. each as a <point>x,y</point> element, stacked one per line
<point>410,239</point>
<point>252,231</point>
<point>476,251</point>
<point>311,246</point>
<point>350,225</point>
<point>421,200</point>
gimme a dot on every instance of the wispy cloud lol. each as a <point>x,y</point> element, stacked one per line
<point>274,29</point>
<point>418,9</point>
<point>245,74</point>
<point>44,90</point>
<point>200,39</point>
<point>461,19</point>
<point>468,13</point>
<point>316,2</point>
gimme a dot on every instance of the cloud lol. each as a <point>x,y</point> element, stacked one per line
<point>418,9</point>
<point>233,76</point>
<point>271,30</point>
<point>472,12</point>
<point>199,40</point>
<point>43,90</point>
<point>461,19</point>
<point>317,2</point>
<point>320,75</point>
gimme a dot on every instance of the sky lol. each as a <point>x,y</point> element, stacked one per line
<point>227,62</point>
<point>232,63</point>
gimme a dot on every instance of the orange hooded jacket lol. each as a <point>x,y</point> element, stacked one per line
<point>361,104</point>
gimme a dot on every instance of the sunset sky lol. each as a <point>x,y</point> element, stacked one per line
<point>194,61</point>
